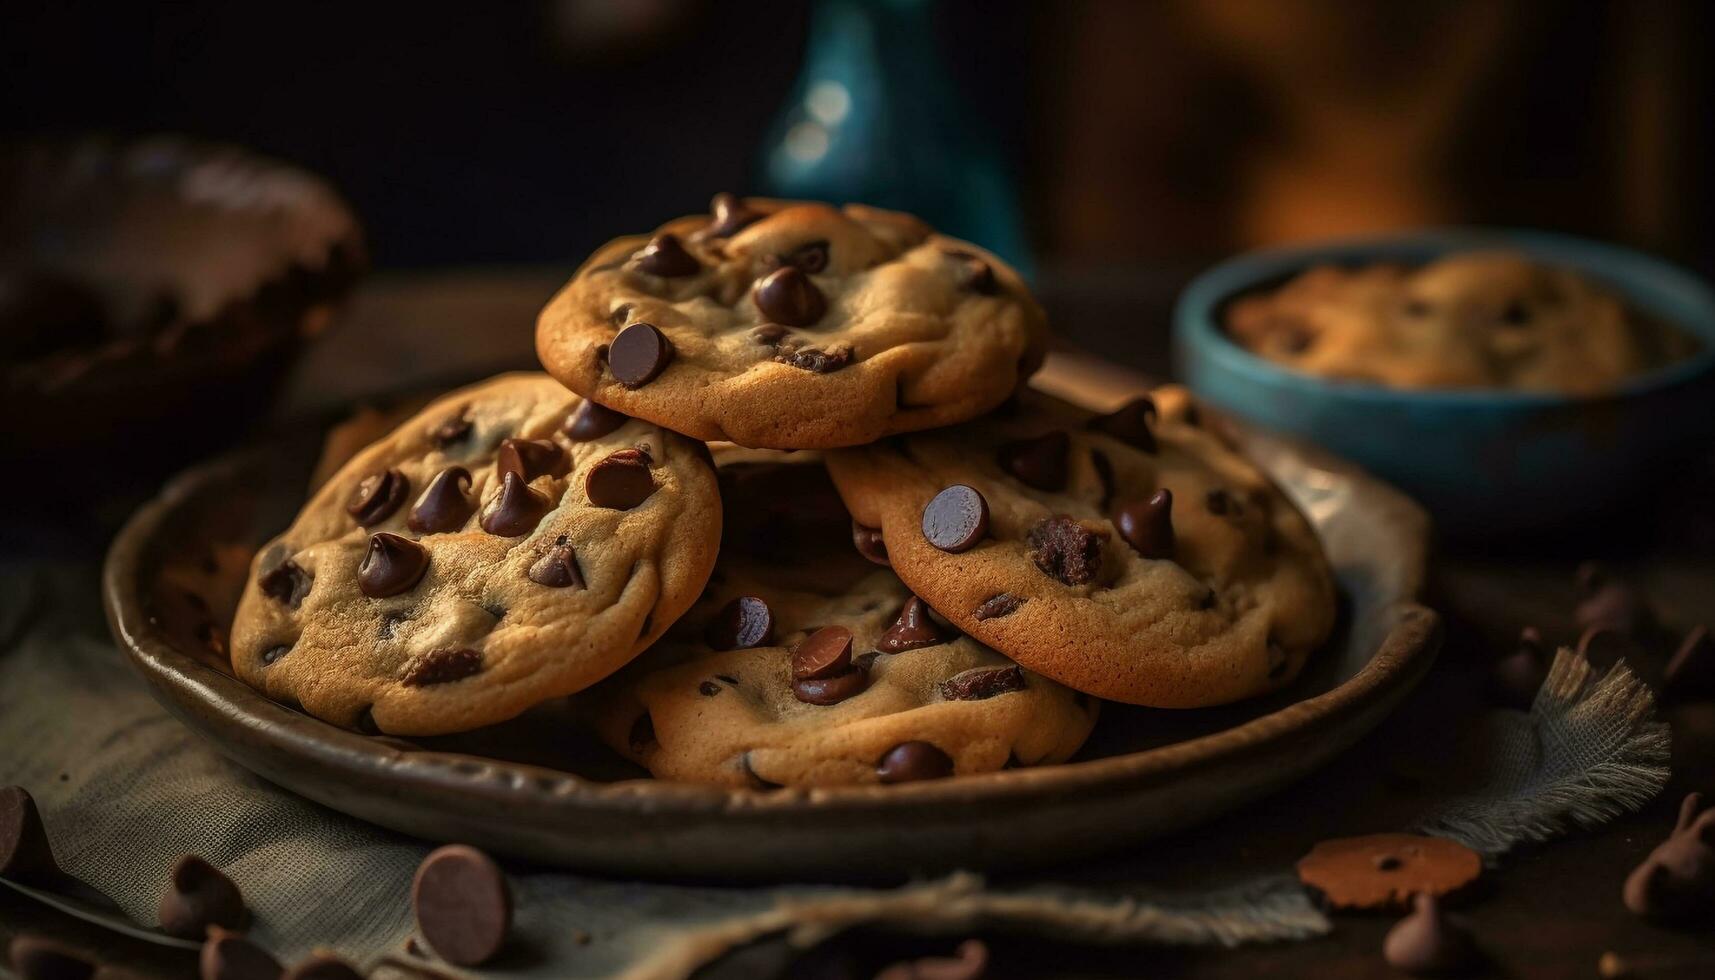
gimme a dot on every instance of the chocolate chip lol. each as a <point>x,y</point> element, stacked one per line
<point>1147,525</point>
<point>1065,549</point>
<point>392,565</point>
<point>810,257</point>
<point>25,854</point>
<point>531,458</point>
<point>377,496</point>
<point>229,956</point>
<point>591,421</point>
<point>1130,423</point>
<point>515,510</point>
<point>730,215</point>
<point>996,606</point>
<point>274,653</point>
<point>743,623</point>
<point>665,256</point>
<point>956,519</point>
<point>639,354</point>
<point>913,629</point>
<point>787,296</point>
<point>558,567</point>
<point>285,582</point>
<point>983,683</point>
<point>825,691</point>
<point>815,359</point>
<point>463,904</point>
<point>198,895</point>
<point>444,504</point>
<point>869,544</point>
<point>443,667</point>
<point>322,966</point>
<point>1038,462</point>
<point>975,274</point>
<point>822,654</point>
<point>708,689</point>
<point>1428,943</point>
<point>38,958</point>
<point>450,431</point>
<point>621,481</point>
<point>912,761</point>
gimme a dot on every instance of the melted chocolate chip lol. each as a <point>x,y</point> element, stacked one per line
<point>913,629</point>
<point>825,691</point>
<point>996,606</point>
<point>285,582</point>
<point>377,496</point>
<point>1065,549</point>
<point>463,904</point>
<point>515,510</point>
<point>198,895</point>
<point>450,431</point>
<point>639,354</point>
<point>1038,462</point>
<point>558,567</point>
<point>956,519</point>
<point>787,296</point>
<point>442,667</point>
<point>1147,525</point>
<point>822,654</point>
<point>730,214</point>
<point>975,274</point>
<point>1130,424</point>
<point>531,458</point>
<point>869,544</point>
<point>983,683</point>
<point>444,505</point>
<point>621,481</point>
<point>743,623</point>
<point>393,564</point>
<point>665,256</point>
<point>814,359</point>
<point>913,761</point>
<point>25,854</point>
<point>591,421</point>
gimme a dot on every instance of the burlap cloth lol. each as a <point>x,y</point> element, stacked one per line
<point>125,789</point>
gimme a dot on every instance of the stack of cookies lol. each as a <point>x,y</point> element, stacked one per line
<point>926,568</point>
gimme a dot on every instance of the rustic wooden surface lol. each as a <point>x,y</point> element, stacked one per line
<point>1548,912</point>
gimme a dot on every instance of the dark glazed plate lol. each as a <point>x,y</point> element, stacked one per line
<point>537,789</point>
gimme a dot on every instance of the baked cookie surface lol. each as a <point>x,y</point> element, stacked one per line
<point>792,325</point>
<point>1470,320</point>
<point>1133,556</point>
<point>508,544</point>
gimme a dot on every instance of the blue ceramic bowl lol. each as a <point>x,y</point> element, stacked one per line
<point>1482,460</point>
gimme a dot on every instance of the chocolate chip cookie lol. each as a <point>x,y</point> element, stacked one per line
<point>791,325</point>
<point>1133,556</point>
<point>510,543</point>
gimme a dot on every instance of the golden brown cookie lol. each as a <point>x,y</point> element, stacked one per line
<point>793,325</point>
<point>1134,557</point>
<point>1386,870</point>
<point>509,544</point>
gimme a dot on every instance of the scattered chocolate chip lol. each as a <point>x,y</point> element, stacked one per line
<point>444,504</point>
<point>515,510</point>
<point>285,582</point>
<point>531,458</point>
<point>1676,882</point>
<point>1610,603</point>
<point>463,904</point>
<point>825,691</point>
<point>1429,943</point>
<point>996,606</point>
<point>1130,423</point>
<point>377,496</point>
<point>229,956</point>
<point>25,854</point>
<point>39,958</point>
<point>1690,672</point>
<point>956,519</point>
<point>730,214</point>
<point>621,481</point>
<point>1147,525</point>
<point>198,895</point>
<point>810,257</point>
<point>912,761</point>
<point>743,623</point>
<point>322,966</point>
<point>983,683</point>
<point>1038,462</point>
<point>442,667</point>
<point>914,628</point>
<point>814,359</point>
<point>822,654</point>
<point>708,689</point>
<point>638,354</point>
<point>1515,678</point>
<point>1065,550</point>
<point>591,421</point>
<point>787,296</point>
<point>1349,871</point>
<point>869,544</point>
<point>665,256</point>
<point>975,273</point>
<point>558,567</point>
<point>392,565</point>
<point>450,431</point>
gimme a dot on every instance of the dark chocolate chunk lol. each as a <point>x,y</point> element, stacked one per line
<point>743,623</point>
<point>591,421</point>
<point>825,691</point>
<point>445,503</point>
<point>810,257</point>
<point>665,256</point>
<point>996,606</point>
<point>515,510</point>
<point>25,854</point>
<point>1130,423</point>
<point>983,683</point>
<point>322,966</point>
<point>869,544</point>
<point>393,565</point>
<point>1429,943</point>
<point>39,958</point>
<point>285,582</point>
<point>450,431</point>
<point>975,274</point>
<point>787,296</point>
<point>198,895</point>
<point>913,761</point>
<point>443,667</point>
<point>1065,549</point>
<point>638,354</point>
<point>914,628</point>
<point>1038,462</point>
<point>1147,525</point>
<point>822,654</point>
<point>1690,672</point>
<point>531,458</point>
<point>1515,678</point>
<point>708,689</point>
<point>558,567</point>
<point>463,904</point>
<point>730,214</point>
<point>1676,882</point>
<point>621,481</point>
<point>814,359</point>
<point>377,496</point>
<point>229,956</point>
<point>956,519</point>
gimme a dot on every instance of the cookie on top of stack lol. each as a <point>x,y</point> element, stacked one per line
<point>518,541</point>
